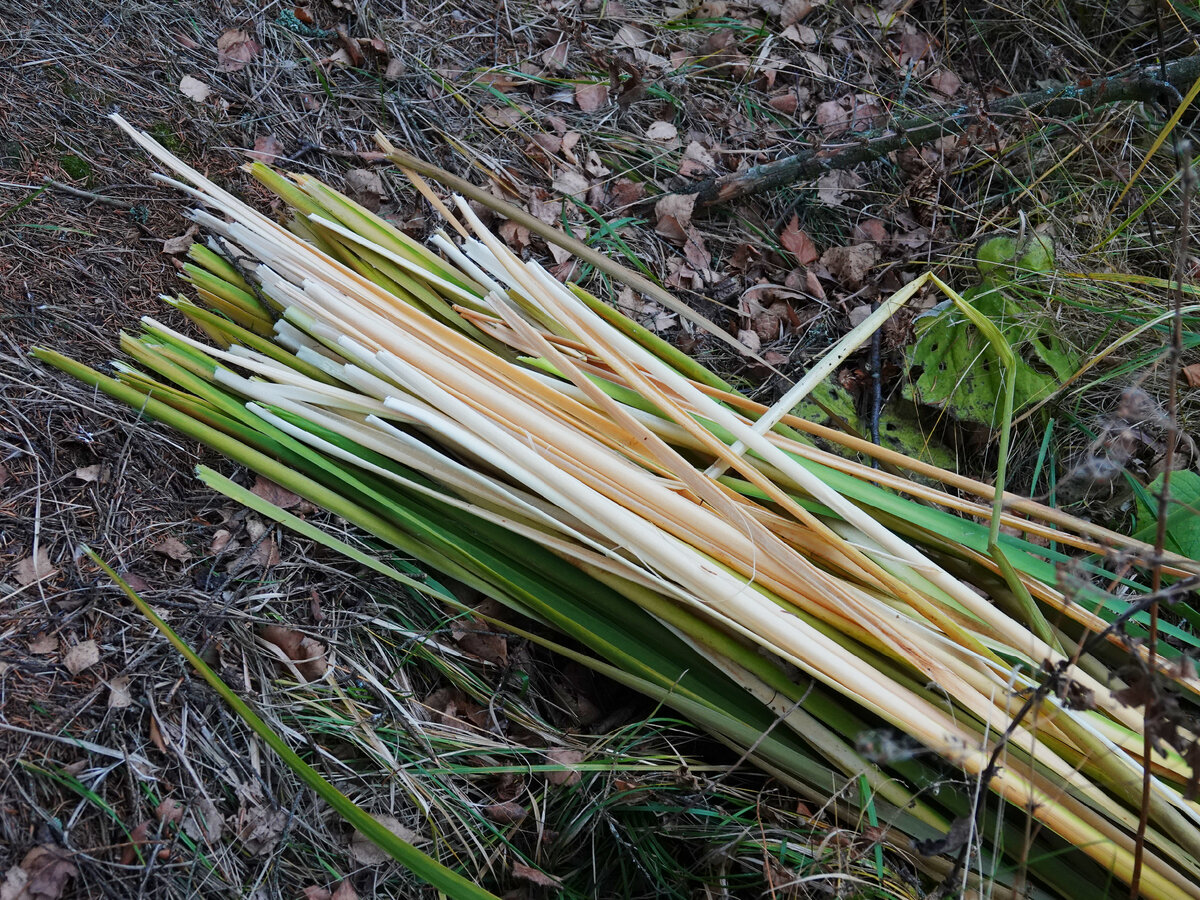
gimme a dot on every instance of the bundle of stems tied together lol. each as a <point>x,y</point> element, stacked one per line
<point>469,410</point>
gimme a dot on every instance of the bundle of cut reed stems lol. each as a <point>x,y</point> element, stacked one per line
<point>469,410</point>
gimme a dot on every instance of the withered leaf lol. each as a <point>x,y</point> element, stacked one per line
<point>507,813</point>
<point>179,244</point>
<point>364,850</point>
<point>82,656</point>
<point>119,696</point>
<point>591,97</point>
<point>235,49</point>
<point>308,654</point>
<point>365,187</point>
<point>798,243</point>
<point>34,568</point>
<point>42,874</point>
<point>173,548</point>
<point>569,760</point>
<point>535,876</point>
<point>266,149</point>
<point>194,89</point>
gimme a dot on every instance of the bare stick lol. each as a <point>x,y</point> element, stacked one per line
<point>930,124</point>
<point>1173,356</point>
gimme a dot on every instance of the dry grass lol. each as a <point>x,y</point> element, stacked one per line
<point>74,271</point>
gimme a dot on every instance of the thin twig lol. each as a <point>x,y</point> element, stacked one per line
<point>1173,356</point>
<point>85,195</point>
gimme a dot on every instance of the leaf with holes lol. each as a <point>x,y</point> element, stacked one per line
<point>951,366</point>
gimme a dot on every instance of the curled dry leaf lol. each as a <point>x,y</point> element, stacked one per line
<point>306,653</point>
<point>88,474</point>
<point>364,850</point>
<point>1191,375</point>
<point>344,891</point>
<point>798,243</point>
<point>194,89</point>
<point>535,876</point>
<point>235,49</point>
<point>181,243</point>
<point>509,812</point>
<point>793,11</point>
<point>366,187</point>
<point>316,892</point>
<point>42,874</point>
<point>82,656</point>
<point>34,568</point>
<point>679,208</point>
<point>749,339</point>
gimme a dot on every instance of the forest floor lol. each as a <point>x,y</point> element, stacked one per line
<point>120,776</point>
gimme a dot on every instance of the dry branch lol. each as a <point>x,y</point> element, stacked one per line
<point>930,124</point>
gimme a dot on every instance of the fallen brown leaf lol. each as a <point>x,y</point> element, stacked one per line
<point>555,58</point>
<point>119,696</point>
<point>169,812</point>
<point>1191,375</point>
<point>568,759</point>
<point>798,243</point>
<point>507,813</point>
<point>535,876</point>
<point>315,892</point>
<point>266,149</point>
<point>678,207</point>
<point>44,644</point>
<point>82,656</point>
<point>137,838</point>
<point>591,97</point>
<point>173,548</point>
<point>34,568</point>
<point>364,850</point>
<point>572,183</point>
<point>307,653</point>
<point>793,11</point>
<point>364,186</point>
<point>235,49</point>
<point>849,265</point>
<point>42,874</point>
<point>662,132</point>
<point>344,891</point>
<point>259,829</point>
<point>181,243</point>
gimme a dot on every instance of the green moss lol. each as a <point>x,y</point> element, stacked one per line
<point>166,135</point>
<point>76,167</point>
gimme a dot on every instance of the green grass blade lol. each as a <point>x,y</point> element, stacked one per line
<point>421,864</point>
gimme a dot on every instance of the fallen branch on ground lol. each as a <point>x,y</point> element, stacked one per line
<point>930,124</point>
